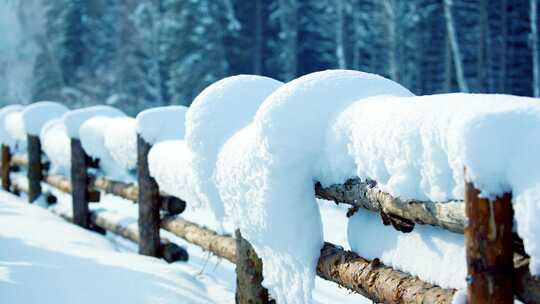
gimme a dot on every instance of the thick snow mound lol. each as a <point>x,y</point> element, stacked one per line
<point>121,141</point>
<point>45,259</point>
<point>75,118</point>
<point>162,123</point>
<point>265,174</point>
<point>5,137</point>
<point>15,128</point>
<point>215,115</point>
<point>435,255</point>
<point>169,164</point>
<point>36,115</point>
<point>417,148</point>
<point>56,145</point>
<point>92,138</point>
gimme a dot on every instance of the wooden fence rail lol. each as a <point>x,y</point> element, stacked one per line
<point>370,278</point>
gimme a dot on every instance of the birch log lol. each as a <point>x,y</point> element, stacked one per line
<point>354,192</point>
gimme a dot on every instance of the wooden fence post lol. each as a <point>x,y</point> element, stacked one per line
<point>79,184</point>
<point>149,203</point>
<point>34,168</point>
<point>6,163</point>
<point>488,242</point>
<point>248,274</point>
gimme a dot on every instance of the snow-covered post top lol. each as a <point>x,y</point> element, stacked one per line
<point>34,117</point>
<point>8,145</point>
<point>162,123</point>
<point>80,161</point>
<point>266,171</point>
<point>5,137</point>
<point>15,129</point>
<point>152,126</point>
<point>74,119</point>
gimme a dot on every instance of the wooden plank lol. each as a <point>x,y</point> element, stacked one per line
<point>79,184</point>
<point>5,168</point>
<point>34,168</point>
<point>488,243</point>
<point>249,275</point>
<point>149,202</point>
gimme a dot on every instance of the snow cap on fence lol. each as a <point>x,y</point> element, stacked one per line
<point>75,118</point>
<point>121,141</point>
<point>218,112</point>
<point>15,127</point>
<point>5,137</point>
<point>37,114</point>
<point>265,174</point>
<point>162,123</point>
<point>416,148</point>
<point>56,145</point>
<point>91,135</point>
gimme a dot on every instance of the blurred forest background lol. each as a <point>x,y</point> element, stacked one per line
<point>140,53</point>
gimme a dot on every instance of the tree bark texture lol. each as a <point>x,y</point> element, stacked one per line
<point>448,215</point>
<point>249,276</point>
<point>488,243</point>
<point>6,163</point>
<point>34,168</point>
<point>149,202</point>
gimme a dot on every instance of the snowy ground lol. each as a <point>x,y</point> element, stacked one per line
<point>46,259</point>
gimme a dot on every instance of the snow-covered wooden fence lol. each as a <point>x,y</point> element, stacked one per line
<point>262,162</point>
<point>370,278</point>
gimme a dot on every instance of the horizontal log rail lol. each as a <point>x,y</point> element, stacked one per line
<point>370,278</point>
<point>365,194</point>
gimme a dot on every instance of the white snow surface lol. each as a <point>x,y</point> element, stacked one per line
<point>161,123</point>
<point>5,137</point>
<point>218,112</point>
<point>265,174</point>
<point>45,259</point>
<point>36,115</point>
<point>435,255</point>
<point>417,148</point>
<point>75,118</point>
<point>57,146</point>
<point>15,128</point>
<point>121,141</point>
<point>92,136</point>
<point>169,163</point>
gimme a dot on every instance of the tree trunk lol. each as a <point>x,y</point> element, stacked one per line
<point>34,168</point>
<point>148,203</point>
<point>249,276</point>
<point>534,47</point>
<point>488,243</point>
<point>6,163</point>
<point>458,64</point>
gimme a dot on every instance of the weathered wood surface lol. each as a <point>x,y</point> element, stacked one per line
<point>448,215</point>
<point>526,286</point>
<point>249,276</point>
<point>148,202</point>
<point>488,244</point>
<point>79,184</point>
<point>376,281</point>
<point>220,245</point>
<point>5,167</point>
<point>34,168</point>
